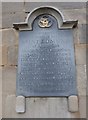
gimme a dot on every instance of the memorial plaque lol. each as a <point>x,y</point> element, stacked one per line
<point>46,63</point>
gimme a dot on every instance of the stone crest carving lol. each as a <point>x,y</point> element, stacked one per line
<point>45,22</point>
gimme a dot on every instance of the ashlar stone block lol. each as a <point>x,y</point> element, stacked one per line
<point>3,55</point>
<point>9,37</point>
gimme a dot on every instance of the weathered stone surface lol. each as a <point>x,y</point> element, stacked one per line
<point>8,84</point>
<point>8,103</point>
<point>9,46</point>
<point>20,104</point>
<point>0,14</point>
<point>3,55</point>
<point>82,33</point>
<point>0,55</point>
<point>9,80</point>
<point>9,18</point>
<point>81,79</point>
<point>75,14</point>
<point>39,108</point>
<point>71,11</point>
<point>86,106</point>
<point>8,55</point>
<point>9,37</point>
<point>12,1</point>
<point>75,36</point>
<point>12,55</point>
<point>11,7</point>
<point>80,54</point>
<point>30,4</point>
<point>82,106</point>
<point>73,103</point>
<point>0,37</point>
<point>0,92</point>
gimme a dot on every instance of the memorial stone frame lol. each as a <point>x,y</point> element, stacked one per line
<point>46,62</point>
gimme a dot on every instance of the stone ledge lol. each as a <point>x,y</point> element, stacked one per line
<point>39,108</point>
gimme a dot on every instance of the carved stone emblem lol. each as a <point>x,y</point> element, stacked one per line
<point>45,22</point>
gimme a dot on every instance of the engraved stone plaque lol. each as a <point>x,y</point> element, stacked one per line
<point>46,63</point>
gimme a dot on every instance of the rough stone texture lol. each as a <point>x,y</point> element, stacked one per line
<point>9,37</point>
<point>9,47</point>
<point>73,103</point>
<point>82,33</point>
<point>72,12</point>
<point>20,104</point>
<point>75,14</point>
<point>9,18</point>
<point>0,47</point>
<point>39,108</point>
<point>0,55</point>
<point>75,35</point>
<point>12,55</point>
<point>0,37</point>
<point>0,92</point>
<point>9,80</point>
<point>80,54</point>
<point>12,7</point>
<point>83,106</point>
<point>3,55</point>
<point>8,85</point>
<point>0,15</point>
<point>12,1</point>
<point>86,106</point>
<point>30,4</point>
<point>81,79</point>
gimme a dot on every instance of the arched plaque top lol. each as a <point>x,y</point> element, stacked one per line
<point>62,24</point>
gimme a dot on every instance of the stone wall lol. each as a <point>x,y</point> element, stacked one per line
<point>13,12</point>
